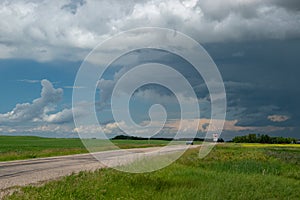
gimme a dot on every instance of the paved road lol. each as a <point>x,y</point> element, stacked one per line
<point>23,172</point>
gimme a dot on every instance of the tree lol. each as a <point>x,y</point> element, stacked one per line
<point>252,138</point>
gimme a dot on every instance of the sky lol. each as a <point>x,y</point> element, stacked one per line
<point>255,45</point>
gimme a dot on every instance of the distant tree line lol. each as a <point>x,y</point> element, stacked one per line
<point>128,137</point>
<point>253,138</point>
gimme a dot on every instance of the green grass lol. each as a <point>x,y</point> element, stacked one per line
<point>229,172</point>
<point>26,147</point>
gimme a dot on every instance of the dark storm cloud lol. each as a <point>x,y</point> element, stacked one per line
<point>139,57</point>
<point>261,79</point>
<point>288,4</point>
<point>73,5</point>
<point>267,73</point>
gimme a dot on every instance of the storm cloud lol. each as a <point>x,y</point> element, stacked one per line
<point>49,30</point>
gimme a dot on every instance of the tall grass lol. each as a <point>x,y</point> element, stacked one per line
<point>228,172</point>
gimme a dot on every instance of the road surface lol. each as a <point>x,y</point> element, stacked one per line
<point>23,172</point>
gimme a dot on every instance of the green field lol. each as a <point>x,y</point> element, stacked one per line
<point>25,147</point>
<point>230,171</point>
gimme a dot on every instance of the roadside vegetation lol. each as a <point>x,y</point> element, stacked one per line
<point>26,147</point>
<point>230,171</point>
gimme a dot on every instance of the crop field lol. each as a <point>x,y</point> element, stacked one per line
<point>230,171</point>
<point>26,147</point>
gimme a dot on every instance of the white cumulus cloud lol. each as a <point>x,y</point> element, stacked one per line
<point>37,109</point>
